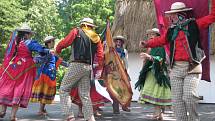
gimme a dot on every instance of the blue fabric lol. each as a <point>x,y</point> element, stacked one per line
<point>11,43</point>
<point>33,45</point>
<point>121,52</point>
<point>46,65</point>
<point>64,63</point>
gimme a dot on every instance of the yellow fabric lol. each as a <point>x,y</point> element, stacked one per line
<point>43,93</point>
<point>91,34</point>
<point>116,77</point>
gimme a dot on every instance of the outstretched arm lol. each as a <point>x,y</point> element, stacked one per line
<point>205,21</point>
<point>66,41</point>
<point>33,45</point>
<point>155,42</point>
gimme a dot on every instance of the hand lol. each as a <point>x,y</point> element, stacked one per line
<point>52,51</point>
<point>142,44</point>
<point>37,59</point>
<point>145,56</point>
<point>98,74</point>
<point>55,52</point>
<point>95,65</point>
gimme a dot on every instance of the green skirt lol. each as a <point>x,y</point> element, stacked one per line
<point>153,93</point>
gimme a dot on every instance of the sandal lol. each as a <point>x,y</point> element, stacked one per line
<point>97,114</point>
<point>126,109</point>
<point>14,119</point>
<point>70,119</point>
<point>158,116</point>
<point>42,113</point>
<point>116,112</point>
<point>99,109</point>
<point>80,115</point>
<point>2,114</point>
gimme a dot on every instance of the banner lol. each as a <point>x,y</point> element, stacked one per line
<point>200,9</point>
<point>115,75</point>
<point>102,91</point>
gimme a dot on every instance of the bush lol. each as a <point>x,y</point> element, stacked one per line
<point>2,51</point>
<point>60,73</point>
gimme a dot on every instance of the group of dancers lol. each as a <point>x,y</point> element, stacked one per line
<point>26,76</point>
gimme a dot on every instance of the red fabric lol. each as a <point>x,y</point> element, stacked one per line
<point>96,98</point>
<point>16,83</point>
<point>100,55</point>
<point>203,21</point>
<point>67,41</point>
<point>180,52</point>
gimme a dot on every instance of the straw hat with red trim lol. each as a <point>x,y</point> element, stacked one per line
<point>154,30</point>
<point>178,7</point>
<point>25,28</point>
<point>49,38</point>
<point>88,21</point>
<point>119,37</point>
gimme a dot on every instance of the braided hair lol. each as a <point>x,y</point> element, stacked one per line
<point>20,37</point>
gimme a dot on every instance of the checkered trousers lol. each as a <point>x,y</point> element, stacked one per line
<point>78,73</point>
<point>184,92</point>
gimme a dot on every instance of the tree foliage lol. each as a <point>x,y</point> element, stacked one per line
<point>51,17</point>
<point>43,17</point>
<point>72,11</point>
<point>11,15</point>
<point>132,19</point>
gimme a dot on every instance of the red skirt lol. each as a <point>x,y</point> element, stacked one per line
<point>97,99</point>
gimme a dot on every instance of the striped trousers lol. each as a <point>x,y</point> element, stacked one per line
<point>184,92</point>
<point>77,74</point>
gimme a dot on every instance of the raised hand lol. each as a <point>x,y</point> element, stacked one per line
<point>142,44</point>
<point>55,52</point>
<point>145,56</point>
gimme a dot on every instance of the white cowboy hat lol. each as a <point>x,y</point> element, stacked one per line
<point>25,28</point>
<point>88,21</point>
<point>49,38</point>
<point>178,7</point>
<point>154,30</point>
<point>119,37</point>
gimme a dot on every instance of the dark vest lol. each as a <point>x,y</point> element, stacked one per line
<point>84,48</point>
<point>193,42</point>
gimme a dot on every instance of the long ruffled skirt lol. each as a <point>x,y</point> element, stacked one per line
<point>44,90</point>
<point>16,92</point>
<point>153,93</point>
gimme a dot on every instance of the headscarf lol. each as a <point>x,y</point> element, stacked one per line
<point>91,34</point>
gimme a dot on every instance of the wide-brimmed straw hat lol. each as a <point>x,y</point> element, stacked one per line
<point>154,30</point>
<point>88,21</point>
<point>178,7</point>
<point>119,37</point>
<point>49,38</point>
<point>25,28</point>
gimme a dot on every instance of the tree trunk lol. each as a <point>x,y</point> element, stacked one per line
<point>212,44</point>
<point>132,19</point>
